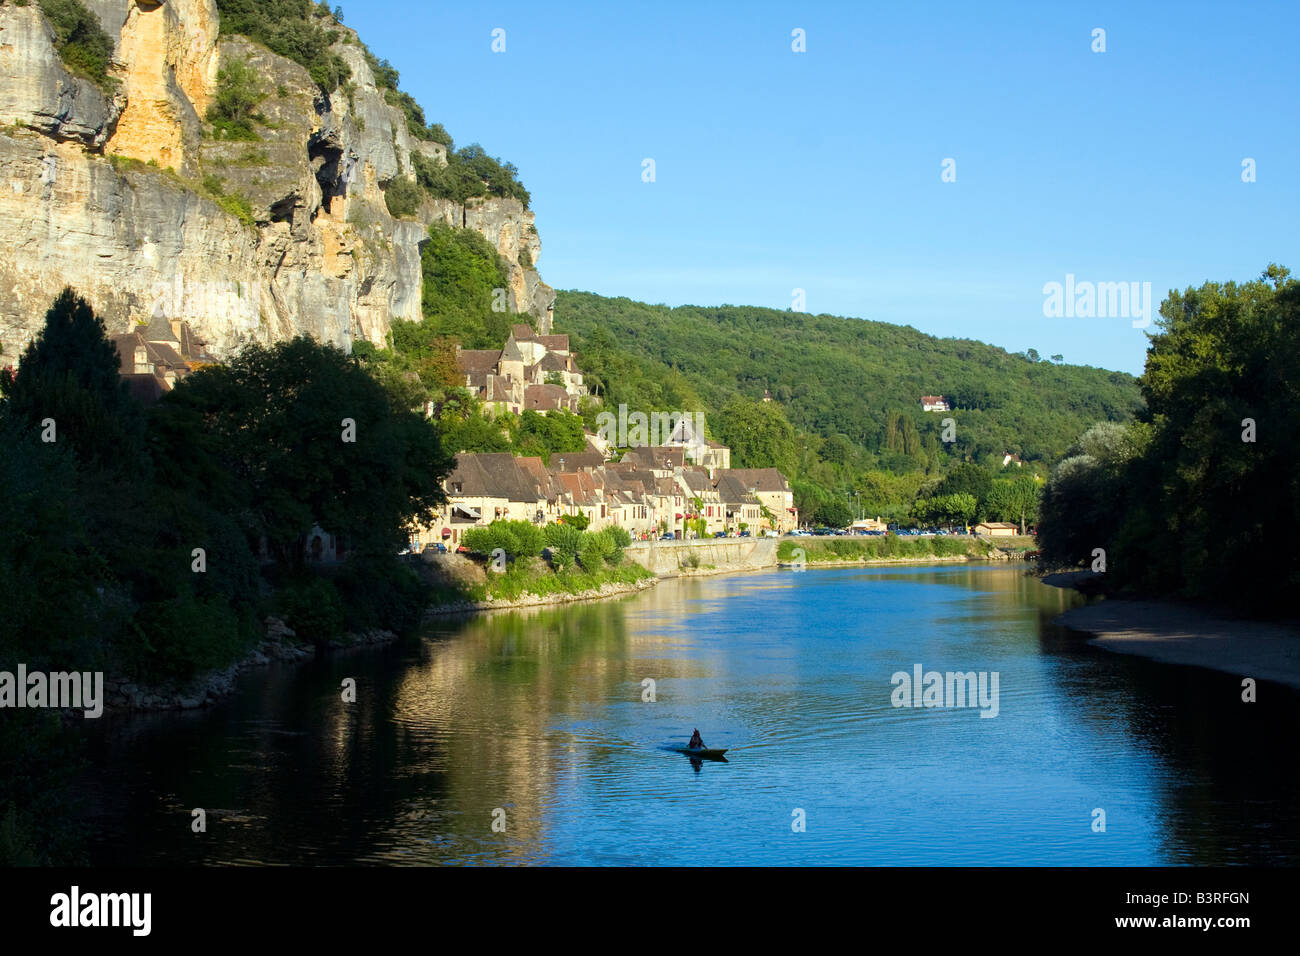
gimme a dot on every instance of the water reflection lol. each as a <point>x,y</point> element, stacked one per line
<point>541,719</point>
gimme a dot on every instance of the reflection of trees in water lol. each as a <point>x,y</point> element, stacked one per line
<point>286,771</point>
<point>488,695</point>
<point>1220,774</point>
<point>448,728</point>
<point>304,776</point>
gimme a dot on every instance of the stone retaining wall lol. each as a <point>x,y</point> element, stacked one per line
<point>670,558</point>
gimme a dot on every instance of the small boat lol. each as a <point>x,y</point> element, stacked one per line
<point>702,753</point>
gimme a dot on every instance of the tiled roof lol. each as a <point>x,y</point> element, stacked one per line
<point>696,481</point>
<point>160,330</point>
<point>577,460</point>
<point>491,475</point>
<point>580,486</point>
<point>477,360</point>
<point>658,456</point>
<point>760,479</point>
<point>732,490</point>
<point>545,398</point>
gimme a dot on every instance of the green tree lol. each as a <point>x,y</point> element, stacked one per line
<point>834,513</point>
<point>68,381</point>
<point>758,433</point>
<point>234,106</point>
<point>309,438</point>
<point>968,478</point>
<point>80,40</point>
<point>297,29</point>
<point>402,196</point>
<point>462,273</point>
<point>1015,500</point>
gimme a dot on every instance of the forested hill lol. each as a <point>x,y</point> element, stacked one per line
<point>840,376</point>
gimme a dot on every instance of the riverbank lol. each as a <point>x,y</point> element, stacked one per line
<point>892,562</point>
<point>455,584</point>
<point>1180,634</point>
<point>866,552</point>
<point>609,589</point>
<point>281,645</point>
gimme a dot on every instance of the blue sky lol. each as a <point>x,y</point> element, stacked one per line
<point>821,170</point>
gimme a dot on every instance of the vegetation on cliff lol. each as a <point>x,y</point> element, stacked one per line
<point>299,30</point>
<point>470,173</point>
<point>1199,496</point>
<point>463,304</point>
<point>233,110</point>
<point>304,32</point>
<point>82,44</point>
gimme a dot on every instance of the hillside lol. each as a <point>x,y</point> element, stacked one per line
<point>832,376</point>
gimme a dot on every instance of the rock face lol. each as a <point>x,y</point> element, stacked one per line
<point>122,195</point>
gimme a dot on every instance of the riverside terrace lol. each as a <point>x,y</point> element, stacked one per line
<point>650,492</point>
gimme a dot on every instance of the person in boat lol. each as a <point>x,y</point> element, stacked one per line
<point>697,743</point>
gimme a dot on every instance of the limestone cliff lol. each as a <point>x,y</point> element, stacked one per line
<point>123,193</point>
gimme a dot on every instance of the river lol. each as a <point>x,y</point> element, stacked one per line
<point>527,738</point>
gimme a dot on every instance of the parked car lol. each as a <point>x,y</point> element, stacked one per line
<point>668,536</point>
<point>719,534</point>
<point>769,533</point>
<point>440,547</point>
<point>744,534</point>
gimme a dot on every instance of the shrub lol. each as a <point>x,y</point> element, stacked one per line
<point>381,592</point>
<point>297,29</point>
<point>170,647</point>
<point>402,196</point>
<point>595,549</point>
<point>437,134</point>
<point>233,203</point>
<point>79,39</point>
<point>528,539</point>
<point>233,109</point>
<point>618,538</point>
<point>479,540</point>
<point>563,540</point>
<point>470,172</point>
<point>313,608</point>
<point>519,539</point>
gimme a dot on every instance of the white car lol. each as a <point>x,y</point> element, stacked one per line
<point>771,534</point>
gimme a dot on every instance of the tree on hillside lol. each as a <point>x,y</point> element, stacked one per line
<point>759,435</point>
<point>834,513</point>
<point>948,509</point>
<point>462,273</point>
